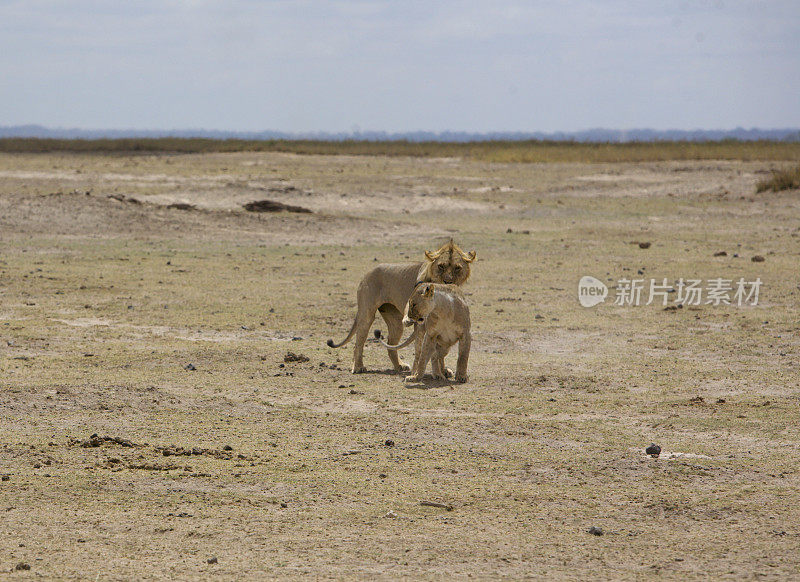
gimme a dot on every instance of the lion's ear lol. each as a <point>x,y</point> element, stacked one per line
<point>430,256</point>
<point>470,256</point>
<point>428,292</point>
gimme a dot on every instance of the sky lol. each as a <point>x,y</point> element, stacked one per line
<point>350,65</point>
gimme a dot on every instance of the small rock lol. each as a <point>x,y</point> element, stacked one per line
<point>5,477</point>
<point>389,443</point>
<point>227,448</point>
<point>383,476</point>
<point>284,505</point>
<point>37,466</point>
<point>22,566</point>
<point>292,357</point>
<point>642,245</point>
<point>720,254</point>
<point>758,259</point>
<point>212,560</point>
<point>390,514</point>
<point>653,450</point>
<point>595,531</point>
<point>190,367</point>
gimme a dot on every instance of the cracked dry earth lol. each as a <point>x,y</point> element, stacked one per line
<point>153,424</point>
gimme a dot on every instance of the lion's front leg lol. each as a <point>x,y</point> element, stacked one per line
<point>463,357</point>
<point>440,371</point>
<point>425,353</point>
<point>394,323</point>
<point>419,329</point>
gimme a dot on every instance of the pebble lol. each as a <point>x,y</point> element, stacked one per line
<point>653,450</point>
<point>389,443</point>
<point>212,560</point>
<point>595,531</point>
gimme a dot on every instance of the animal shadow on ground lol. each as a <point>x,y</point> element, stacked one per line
<point>428,382</point>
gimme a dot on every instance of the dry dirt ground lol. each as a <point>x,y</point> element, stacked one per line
<point>164,331</point>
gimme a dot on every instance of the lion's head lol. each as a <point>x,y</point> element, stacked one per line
<point>449,264</point>
<point>419,305</point>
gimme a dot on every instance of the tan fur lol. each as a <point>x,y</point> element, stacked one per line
<point>441,315</point>
<point>386,289</point>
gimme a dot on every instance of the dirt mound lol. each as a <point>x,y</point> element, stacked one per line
<point>273,206</point>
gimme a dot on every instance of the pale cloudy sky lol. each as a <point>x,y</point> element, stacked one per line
<point>509,65</point>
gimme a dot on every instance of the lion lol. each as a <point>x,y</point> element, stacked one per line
<point>441,314</point>
<point>386,289</point>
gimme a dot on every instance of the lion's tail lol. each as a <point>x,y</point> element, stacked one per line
<point>345,340</point>
<point>405,343</point>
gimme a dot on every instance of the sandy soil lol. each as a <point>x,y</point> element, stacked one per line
<point>164,331</point>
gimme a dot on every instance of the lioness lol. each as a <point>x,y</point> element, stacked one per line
<point>441,313</point>
<point>387,287</point>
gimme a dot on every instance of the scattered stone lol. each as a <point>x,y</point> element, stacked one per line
<point>390,514</point>
<point>696,400</point>
<point>274,206</point>
<point>190,367</point>
<point>642,245</point>
<point>382,476</point>
<point>653,450</point>
<point>292,357</point>
<point>284,505</point>
<point>389,443</point>
<point>212,560</point>
<point>509,230</point>
<point>22,566</point>
<point>595,531</point>
<point>5,477</point>
<point>296,338</point>
<point>720,401</point>
<point>227,448</point>
<point>720,254</point>
<point>758,259</point>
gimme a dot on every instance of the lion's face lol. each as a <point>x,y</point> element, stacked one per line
<point>449,264</point>
<point>419,305</point>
